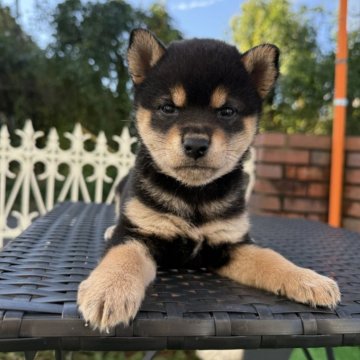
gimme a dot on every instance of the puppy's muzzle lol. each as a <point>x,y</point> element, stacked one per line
<point>196,147</point>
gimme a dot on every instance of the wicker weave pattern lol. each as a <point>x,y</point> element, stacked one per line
<point>41,269</point>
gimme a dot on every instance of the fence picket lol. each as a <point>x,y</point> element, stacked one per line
<point>21,195</point>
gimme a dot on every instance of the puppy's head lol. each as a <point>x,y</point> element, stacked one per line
<point>197,102</point>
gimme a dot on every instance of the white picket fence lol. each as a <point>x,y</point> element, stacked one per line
<point>25,193</point>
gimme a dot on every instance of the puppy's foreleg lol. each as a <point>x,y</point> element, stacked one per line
<point>268,270</point>
<point>110,231</point>
<point>114,290</point>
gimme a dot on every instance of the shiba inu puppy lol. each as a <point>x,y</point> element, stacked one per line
<point>197,106</point>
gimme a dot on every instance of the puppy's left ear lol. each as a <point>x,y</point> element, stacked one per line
<point>262,63</point>
<point>144,51</point>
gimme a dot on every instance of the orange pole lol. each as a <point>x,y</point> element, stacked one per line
<point>338,134</point>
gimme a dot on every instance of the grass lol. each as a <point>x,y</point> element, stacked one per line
<point>106,355</point>
<point>341,353</point>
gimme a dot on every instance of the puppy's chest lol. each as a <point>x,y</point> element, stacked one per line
<point>177,241</point>
<point>168,227</point>
<point>186,253</point>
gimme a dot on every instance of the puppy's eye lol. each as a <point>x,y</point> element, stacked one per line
<point>226,112</point>
<point>168,109</point>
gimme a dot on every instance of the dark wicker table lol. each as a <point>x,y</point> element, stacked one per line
<point>41,269</point>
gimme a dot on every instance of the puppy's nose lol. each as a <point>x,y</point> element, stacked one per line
<point>195,147</point>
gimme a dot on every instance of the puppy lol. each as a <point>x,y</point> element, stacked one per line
<point>197,106</point>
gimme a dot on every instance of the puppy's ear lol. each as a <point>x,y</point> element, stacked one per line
<point>144,51</point>
<point>262,63</point>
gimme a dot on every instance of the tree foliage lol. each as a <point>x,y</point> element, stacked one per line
<point>20,60</point>
<point>158,20</point>
<point>81,76</point>
<point>353,110</point>
<point>302,100</point>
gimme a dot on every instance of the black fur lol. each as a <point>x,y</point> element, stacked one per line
<point>194,196</point>
<point>178,251</point>
<point>200,67</point>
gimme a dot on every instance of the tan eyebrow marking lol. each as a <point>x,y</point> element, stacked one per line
<point>178,95</point>
<point>218,97</point>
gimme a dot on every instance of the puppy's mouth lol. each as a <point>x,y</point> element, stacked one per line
<point>194,174</point>
<point>195,167</point>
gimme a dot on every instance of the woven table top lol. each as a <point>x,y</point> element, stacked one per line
<point>41,269</point>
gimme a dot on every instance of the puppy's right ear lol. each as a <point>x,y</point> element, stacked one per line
<point>144,51</point>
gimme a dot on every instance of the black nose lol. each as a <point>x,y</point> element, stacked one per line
<point>195,147</point>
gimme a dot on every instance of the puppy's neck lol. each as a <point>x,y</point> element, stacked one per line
<point>232,181</point>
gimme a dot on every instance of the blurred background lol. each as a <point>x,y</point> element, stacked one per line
<point>64,61</point>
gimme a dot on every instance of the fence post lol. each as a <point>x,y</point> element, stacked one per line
<point>20,194</point>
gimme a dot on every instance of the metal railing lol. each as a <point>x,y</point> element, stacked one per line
<point>34,178</point>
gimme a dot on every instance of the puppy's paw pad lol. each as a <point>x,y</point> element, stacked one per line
<point>306,286</point>
<point>106,300</point>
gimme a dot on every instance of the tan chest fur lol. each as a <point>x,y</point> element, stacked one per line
<point>168,226</point>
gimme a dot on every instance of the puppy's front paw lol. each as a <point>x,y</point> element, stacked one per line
<point>307,286</point>
<point>108,298</point>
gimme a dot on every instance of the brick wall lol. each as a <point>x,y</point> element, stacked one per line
<point>351,216</point>
<point>292,177</point>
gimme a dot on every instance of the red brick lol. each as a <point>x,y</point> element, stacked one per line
<point>266,187</point>
<point>294,188</point>
<point>317,217</point>
<point>293,215</point>
<point>270,139</point>
<point>269,171</point>
<point>351,224</point>
<point>352,176</point>
<point>291,172</point>
<point>280,187</point>
<point>320,158</point>
<point>265,202</point>
<point>305,205</point>
<point>352,208</point>
<point>282,156</point>
<point>352,143</point>
<point>318,190</point>
<point>352,192</point>
<point>306,173</point>
<point>264,212</point>
<point>353,159</point>
<point>309,141</point>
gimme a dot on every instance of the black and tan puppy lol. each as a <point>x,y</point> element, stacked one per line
<point>197,108</point>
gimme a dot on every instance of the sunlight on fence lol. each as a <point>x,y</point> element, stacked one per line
<point>34,178</point>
